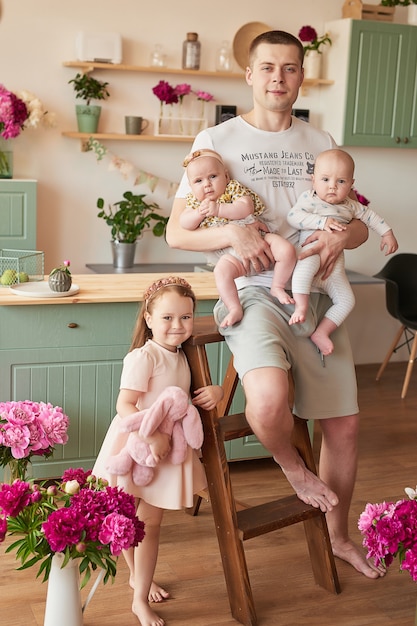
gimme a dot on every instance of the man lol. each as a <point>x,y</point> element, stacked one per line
<point>273,153</point>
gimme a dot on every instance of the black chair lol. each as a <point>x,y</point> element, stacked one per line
<point>400,276</point>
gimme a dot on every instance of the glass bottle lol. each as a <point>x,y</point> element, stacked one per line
<point>224,58</point>
<point>191,49</point>
<point>158,58</point>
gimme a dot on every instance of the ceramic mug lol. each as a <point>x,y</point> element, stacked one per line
<point>135,125</point>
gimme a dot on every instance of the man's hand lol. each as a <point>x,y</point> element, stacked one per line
<point>251,247</point>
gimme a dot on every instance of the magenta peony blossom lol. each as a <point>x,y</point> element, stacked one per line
<point>307,33</point>
<point>165,92</point>
<point>13,114</point>
<point>14,498</point>
<point>92,522</point>
<point>390,531</point>
<point>184,89</point>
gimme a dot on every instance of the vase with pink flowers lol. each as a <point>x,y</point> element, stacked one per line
<point>312,45</point>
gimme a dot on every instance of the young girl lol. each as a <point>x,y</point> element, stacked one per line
<point>154,362</point>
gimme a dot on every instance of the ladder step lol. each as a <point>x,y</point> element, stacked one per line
<point>264,518</point>
<point>234,426</point>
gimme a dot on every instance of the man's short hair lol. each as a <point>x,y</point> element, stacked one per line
<point>275,37</point>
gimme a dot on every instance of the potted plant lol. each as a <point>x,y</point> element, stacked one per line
<point>128,219</point>
<point>88,88</point>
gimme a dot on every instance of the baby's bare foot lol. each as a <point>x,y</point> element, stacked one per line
<point>310,489</point>
<point>323,342</point>
<point>234,316</point>
<point>145,615</point>
<point>157,593</point>
<point>298,317</point>
<point>282,295</point>
<point>349,552</point>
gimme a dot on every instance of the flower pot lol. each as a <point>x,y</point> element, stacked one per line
<point>63,600</point>
<point>312,64</point>
<point>123,254</point>
<point>87,117</point>
<point>60,281</point>
<point>6,158</point>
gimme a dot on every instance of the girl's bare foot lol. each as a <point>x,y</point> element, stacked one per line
<point>282,295</point>
<point>323,342</point>
<point>235,315</point>
<point>310,489</point>
<point>157,593</point>
<point>349,552</point>
<point>145,615</point>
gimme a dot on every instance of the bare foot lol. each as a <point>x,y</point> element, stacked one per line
<point>235,315</point>
<point>157,593</point>
<point>282,295</point>
<point>349,552</point>
<point>323,342</point>
<point>298,317</point>
<point>145,615</point>
<point>310,489</point>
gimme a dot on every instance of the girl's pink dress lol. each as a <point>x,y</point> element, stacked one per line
<point>149,370</point>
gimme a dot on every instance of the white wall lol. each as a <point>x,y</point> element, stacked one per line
<point>37,37</point>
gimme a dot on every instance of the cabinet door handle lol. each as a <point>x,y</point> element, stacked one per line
<point>405,139</point>
<point>72,325</point>
<point>397,140</point>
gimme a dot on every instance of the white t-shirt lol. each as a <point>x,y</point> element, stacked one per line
<point>275,165</point>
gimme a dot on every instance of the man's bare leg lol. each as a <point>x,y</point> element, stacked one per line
<point>268,414</point>
<point>338,465</point>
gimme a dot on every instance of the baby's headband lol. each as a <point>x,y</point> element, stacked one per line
<point>204,152</point>
<point>162,283</point>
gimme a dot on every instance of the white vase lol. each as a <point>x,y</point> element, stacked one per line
<point>312,64</point>
<point>63,600</point>
<point>412,14</point>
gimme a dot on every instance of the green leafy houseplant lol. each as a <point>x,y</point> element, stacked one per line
<point>88,88</point>
<point>395,3</point>
<point>130,217</point>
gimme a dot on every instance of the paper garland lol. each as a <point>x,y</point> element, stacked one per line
<point>127,169</point>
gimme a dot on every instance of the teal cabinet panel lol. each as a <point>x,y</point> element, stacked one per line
<point>374,97</point>
<point>71,355</point>
<point>18,214</point>
<point>381,101</point>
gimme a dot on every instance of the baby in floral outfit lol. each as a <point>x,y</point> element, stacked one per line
<point>214,201</point>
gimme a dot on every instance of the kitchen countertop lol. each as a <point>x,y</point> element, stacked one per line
<point>97,288</point>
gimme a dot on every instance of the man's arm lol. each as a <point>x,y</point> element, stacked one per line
<point>330,245</point>
<point>246,240</point>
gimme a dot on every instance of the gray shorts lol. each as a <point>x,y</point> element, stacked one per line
<point>264,339</point>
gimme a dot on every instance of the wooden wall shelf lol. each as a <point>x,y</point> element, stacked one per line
<point>89,66</point>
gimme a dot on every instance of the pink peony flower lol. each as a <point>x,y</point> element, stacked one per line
<point>204,96</point>
<point>14,498</point>
<point>165,92</point>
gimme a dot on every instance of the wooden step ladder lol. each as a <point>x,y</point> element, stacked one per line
<point>234,523</point>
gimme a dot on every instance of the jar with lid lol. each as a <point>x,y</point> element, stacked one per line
<point>191,49</point>
<point>224,58</point>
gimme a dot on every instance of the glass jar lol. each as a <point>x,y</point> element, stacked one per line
<point>158,58</point>
<point>191,49</point>
<point>224,58</point>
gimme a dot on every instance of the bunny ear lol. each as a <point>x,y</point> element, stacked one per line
<point>192,427</point>
<point>132,422</point>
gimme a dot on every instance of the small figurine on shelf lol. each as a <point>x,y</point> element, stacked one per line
<point>60,278</point>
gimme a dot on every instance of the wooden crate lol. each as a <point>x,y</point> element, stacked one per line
<point>359,11</point>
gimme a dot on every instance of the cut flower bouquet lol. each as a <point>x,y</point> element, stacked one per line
<point>21,110</point>
<point>29,429</point>
<point>390,531</point>
<point>81,518</point>
<point>308,35</point>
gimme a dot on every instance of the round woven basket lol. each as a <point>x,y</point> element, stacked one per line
<point>244,37</point>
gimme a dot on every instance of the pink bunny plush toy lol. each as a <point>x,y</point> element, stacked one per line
<point>171,413</point>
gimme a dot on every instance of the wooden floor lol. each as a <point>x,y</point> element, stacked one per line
<point>283,586</point>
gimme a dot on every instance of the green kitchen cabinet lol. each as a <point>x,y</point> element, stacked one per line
<point>373,100</point>
<point>18,214</point>
<point>71,356</point>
